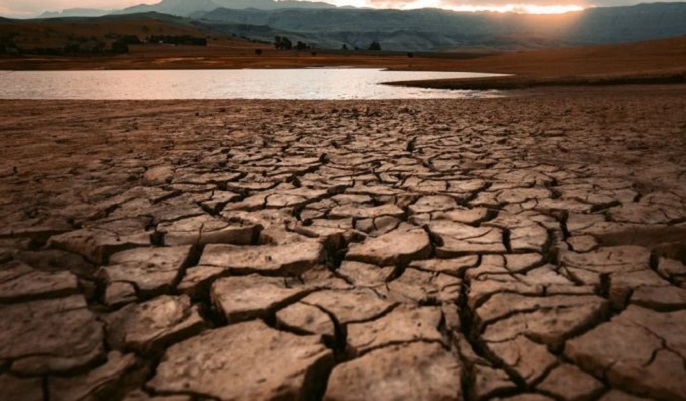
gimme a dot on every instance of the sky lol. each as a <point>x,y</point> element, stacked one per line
<point>28,8</point>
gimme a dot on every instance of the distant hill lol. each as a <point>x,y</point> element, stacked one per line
<point>434,29</point>
<point>272,5</point>
<point>187,8</point>
<point>75,12</point>
<point>325,26</point>
<point>627,24</point>
<point>172,7</point>
<point>55,33</point>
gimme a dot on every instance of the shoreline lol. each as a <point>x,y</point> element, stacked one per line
<point>656,62</point>
<point>513,79</point>
<point>517,82</point>
<point>508,84</point>
<point>216,60</point>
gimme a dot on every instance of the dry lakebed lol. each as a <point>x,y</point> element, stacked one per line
<point>523,248</point>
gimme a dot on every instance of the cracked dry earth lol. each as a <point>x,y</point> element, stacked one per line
<point>519,249</point>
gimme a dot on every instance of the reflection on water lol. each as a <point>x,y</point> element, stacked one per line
<point>327,83</point>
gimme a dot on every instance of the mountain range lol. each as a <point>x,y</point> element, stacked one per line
<point>186,8</point>
<point>75,12</point>
<point>434,29</point>
<point>325,26</point>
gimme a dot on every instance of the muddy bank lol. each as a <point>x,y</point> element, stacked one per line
<point>526,82</point>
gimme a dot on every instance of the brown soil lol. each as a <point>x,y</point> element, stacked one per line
<point>652,62</point>
<point>234,56</point>
<point>345,250</point>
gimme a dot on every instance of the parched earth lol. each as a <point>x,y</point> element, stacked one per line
<point>521,249</point>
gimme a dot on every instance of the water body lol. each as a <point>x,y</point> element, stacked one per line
<point>301,84</point>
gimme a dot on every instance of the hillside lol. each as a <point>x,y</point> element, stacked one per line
<point>433,29</point>
<point>173,7</point>
<point>75,12</point>
<point>187,8</point>
<point>326,27</point>
<point>30,35</point>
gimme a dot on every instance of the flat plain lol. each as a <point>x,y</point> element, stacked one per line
<point>523,248</point>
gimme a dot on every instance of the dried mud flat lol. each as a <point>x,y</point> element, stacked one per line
<point>522,249</point>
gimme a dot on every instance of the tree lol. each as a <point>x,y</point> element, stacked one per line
<point>129,39</point>
<point>301,46</point>
<point>6,43</point>
<point>178,40</point>
<point>344,47</point>
<point>258,52</point>
<point>120,47</point>
<point>282,43</point>
<point>375,46</point>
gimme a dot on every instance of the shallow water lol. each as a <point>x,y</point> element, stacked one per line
<point>302,84</point>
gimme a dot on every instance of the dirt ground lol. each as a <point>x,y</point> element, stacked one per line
<point>527,248</point>
<point>232,57</point>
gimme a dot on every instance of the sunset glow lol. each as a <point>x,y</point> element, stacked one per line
<point>522,8</point>
<point>463,6</point>
<point>533,9</point>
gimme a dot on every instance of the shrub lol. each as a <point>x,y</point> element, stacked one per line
<point>282,43</point>
<point>120,47</point>
<point>178,40</point>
